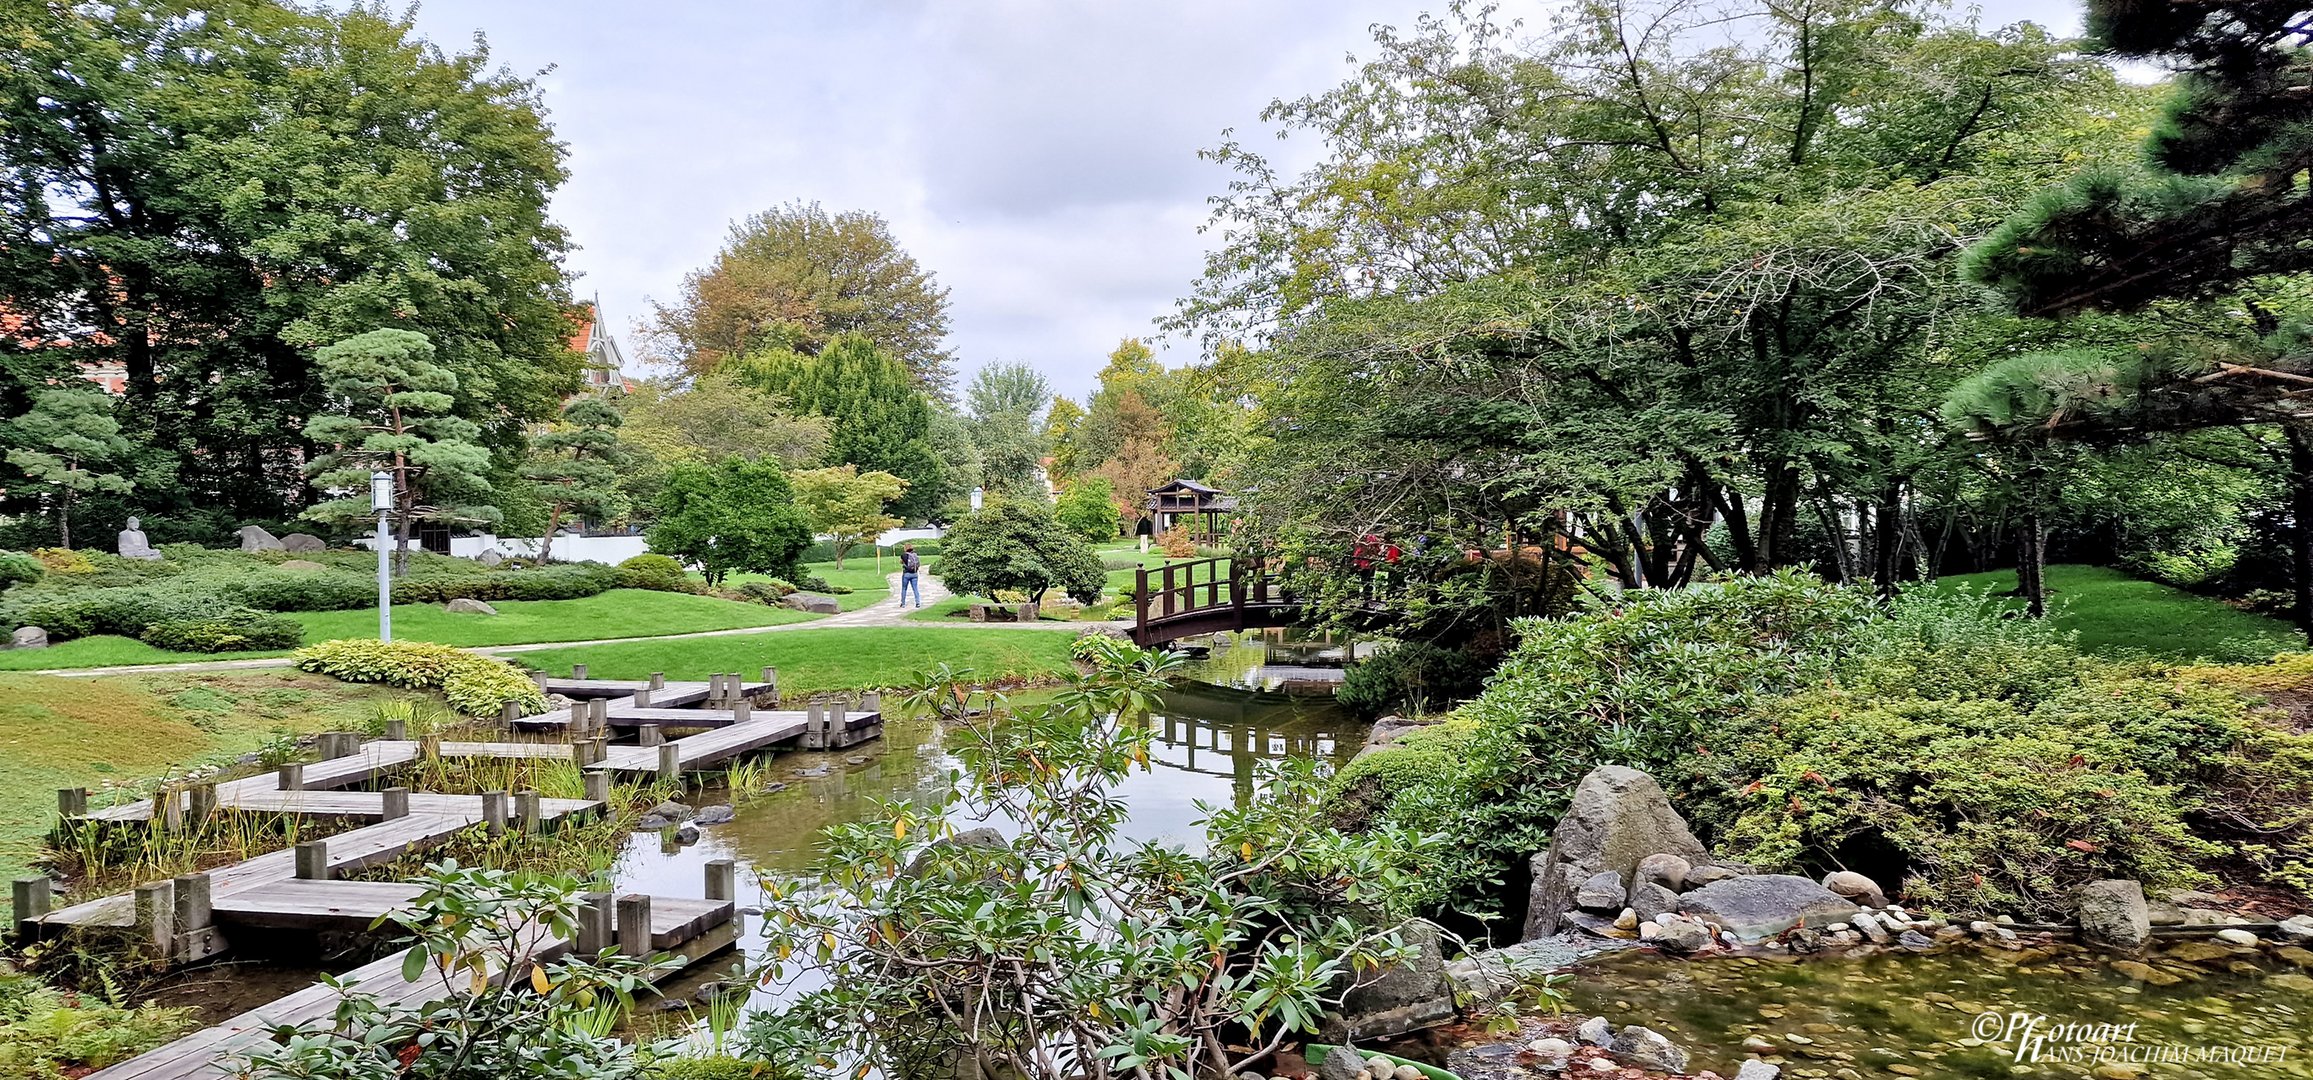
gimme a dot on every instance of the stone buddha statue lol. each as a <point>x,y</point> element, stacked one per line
<point>133,544</point>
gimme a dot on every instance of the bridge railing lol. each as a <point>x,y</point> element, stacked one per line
<point>1195,585</point>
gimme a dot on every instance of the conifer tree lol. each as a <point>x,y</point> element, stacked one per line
<point>879,419</point>
<point>576,467</point>
<point>66,442</point>
<point>390,412</point>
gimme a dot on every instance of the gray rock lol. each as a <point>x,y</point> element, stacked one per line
<point>812,773</point>
<point>1683,937</point>
<point>255,538</point>
<point>1603,892</point>
<point>1341,1064</point>
<point>980,839</point>
<point>812,602</point>
<point>1913,939</point>
<point>2113,912</point>
<point>1756,1069</point>
<point>2237,936</point>
<point>1648,1047</point>
<point>302,544</point>
<point>1595,1031</point>
<point>672,811</point>
<point>687,834</point>
<point>1652,899</point>
<point>1403,997</point>
<point>1757,907</point>
<point>1618,816</point>
<point>652,822</point>
<point>2164,911</point>
<point>1699,876</point>
<point>1869,926</point>
<point>774,786</point>
<point>1855,887</point>
<point>304,565</point>
<point>1669,871</point>
<point>490,558</point>
<point>714,815</point>
<point>466,605</point>
<point>2295,929</point>
<point>28,637</point>
<point>1489,1061</point>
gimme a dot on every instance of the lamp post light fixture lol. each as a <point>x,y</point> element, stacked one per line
<point>381,499</point>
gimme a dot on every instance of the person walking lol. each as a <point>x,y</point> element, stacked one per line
<point>910,563</point>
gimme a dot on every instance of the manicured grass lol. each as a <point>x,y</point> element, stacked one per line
<point>2116,614</point>
<point>1119,585</point>
<point>868,585</point>
<point>836,658</point>
<point>59,732</point>
<point>617,613</point>
<point>107,650</point>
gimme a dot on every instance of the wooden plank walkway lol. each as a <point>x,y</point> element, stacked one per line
<point>678,924</point>
<point>365,804</point>
<point>694,718</point>
<point>373,761</point>
<point>705,748</point>
<point>621,695</point>
<point>314,905</point>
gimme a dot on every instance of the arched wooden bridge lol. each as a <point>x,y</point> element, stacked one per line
<point>1206,596</point>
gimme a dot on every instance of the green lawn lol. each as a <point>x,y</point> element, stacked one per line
<point>1120,582</point>
<point>617,613</point>
<point>837,658</point>
<point>58,732</point>
<point>2117,614</point>
<point>868,585</point>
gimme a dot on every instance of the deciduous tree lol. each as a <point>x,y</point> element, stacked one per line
<point>846,505</point>
<point>734,515</point>
<point>1006,405</point>
<point>878,418</point>
<point>714,417</point>
<point>1013,544</point>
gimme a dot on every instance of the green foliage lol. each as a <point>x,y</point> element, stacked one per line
<point>239,632</point>
<point>17,568</point>
<point>1087,507</point>
<point>1064,933</point>
<point>879,417</point>
<point>711,1068</point>
<point>474,685</point>
<point>576,467</point>
<point>468,926</point>
<point>846,505</point>
<point>49,1034</point>
<point>1413,675</point>
<point>734,515</point>
<point>65,445</point>
<point>1006,403</point>
<point>393,414</point>
<point>714,417</point>
<point>1416,760</point>
<point>1016,545</point>
<point>651,570</point>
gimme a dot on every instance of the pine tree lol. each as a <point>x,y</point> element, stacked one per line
<point>576,467</point>
<point>66,442</point>
<point>391,405</point>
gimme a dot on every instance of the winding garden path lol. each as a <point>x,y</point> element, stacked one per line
<point>884,612</point>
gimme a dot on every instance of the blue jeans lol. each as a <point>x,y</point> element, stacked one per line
<point>908,584</point>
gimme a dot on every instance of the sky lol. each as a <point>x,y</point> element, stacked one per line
<point>1039,156</point>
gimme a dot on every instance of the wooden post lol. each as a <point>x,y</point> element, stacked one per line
<point>771,682</point>
<point>156,916</point>
<point>658,680</point>
<point>742,711</point>
<point>642,699</point>
<point>193,903</point>
<point>397,803</point>
<point>601,713</point>
<point>168,814</point>
<point>594,925</point>
<point>722,879</point>
<point>582,752</point>
<point>1140,597</point>
<point>634,925</point>
<point>509,712</point>
<point>72,802</point>
<point>292,777</point>
<point>397,730</point>
<point>494,811</point>
<point>598,786</point>
<point>651,735</point>
<point>671,764</point>
<point>204,803</point>
<point>1237,594</point>
<point>873,703</point>
<point>526,808</point>
<point>313,860</point>
<point>33,895</point>
<point>578,672</point>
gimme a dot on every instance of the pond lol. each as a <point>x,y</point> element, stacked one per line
<point>2196,1008</point>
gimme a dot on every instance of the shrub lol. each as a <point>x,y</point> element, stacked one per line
<point>769,591</point>
<point>64,560</point>
<point>1372,781</point>
<point>1415,675</point>
<point>711,1068</point>
<point>125,611</point>
<point>49,1034</point>
<point>242,631</point>
<point>475,685</point>
<point>656,572</point>
<point>304,590</point>
<point>17,568</point>
<point>1088,508</point>
<point>1014,544</point>
<point>1178,543</point>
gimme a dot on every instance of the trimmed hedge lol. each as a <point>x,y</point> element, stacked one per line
<point>17,568</point>
<point>247,630</point>
<point>475,685</point>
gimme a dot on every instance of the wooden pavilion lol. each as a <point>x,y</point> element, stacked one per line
<point>1190,504</point>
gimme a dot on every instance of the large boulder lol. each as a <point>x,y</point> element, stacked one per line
<point>1404,997</point>
<point>303,544</point>
<point>1648,1047</point>
<point>2113,912</point>
<point>1759,906</point>
<point>1618,817</point>
<point>466,605</point>
<point>1603,892</point>
<point>255,538</point>
<point>28,637</point>
<point>1856,887</point>
<point>490,558</point>
<point>812,602</point>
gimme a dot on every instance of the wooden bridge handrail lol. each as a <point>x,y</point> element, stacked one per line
<point>1198,586</point>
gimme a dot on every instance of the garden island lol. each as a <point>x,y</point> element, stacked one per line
<point>1664,540</point>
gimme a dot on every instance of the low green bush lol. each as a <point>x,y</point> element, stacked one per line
<point>1415,675</point>
<point>770,591</point>
<point>1373,780</point>
<point>49,1034</point>
<point>475,685</point>
<point>17,568</point>
<point>304,590</point>
<point>710,1068</point>
<point>238,632</point>
<point>656,572</point>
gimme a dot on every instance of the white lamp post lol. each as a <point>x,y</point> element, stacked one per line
<point>381,499</point>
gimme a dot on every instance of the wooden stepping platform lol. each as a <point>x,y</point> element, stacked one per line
<point>366,804</point>
<point>693,928</point>
<point>374,760</point>
<point>313,905</point>
<point>621,694</point>
<point>694,718</point>
<point>707,748</point>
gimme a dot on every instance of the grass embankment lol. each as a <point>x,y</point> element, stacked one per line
<point>617,613</point>
<point>837,658</point>
<point>58,732</point>
<point>2117,615</point>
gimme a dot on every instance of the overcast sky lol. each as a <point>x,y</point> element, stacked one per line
<point>1039,156</point>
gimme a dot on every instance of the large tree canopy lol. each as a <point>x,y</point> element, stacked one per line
<point>204,193</point>
<point>798,277</point>
<point>878,418</point>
